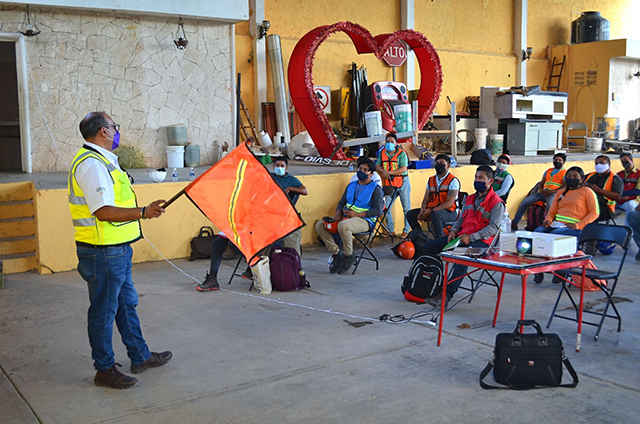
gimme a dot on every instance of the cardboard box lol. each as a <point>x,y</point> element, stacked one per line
<point>541,244</point>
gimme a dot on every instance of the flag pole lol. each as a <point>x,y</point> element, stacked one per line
<point>174,198</point>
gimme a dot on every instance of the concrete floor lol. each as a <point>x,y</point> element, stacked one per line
<point>316,356</point>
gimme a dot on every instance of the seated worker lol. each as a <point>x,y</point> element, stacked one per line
<point>294,189</point>
<point>439,202</point>
<point>361,204</point>
<point>607,186</point>
<point>503,182</point>
<point>571,210</point>
<point>549,184</point>
<point>375,177</point>
<point>392,165</point>
<point>477,225</point>
<point>633,221</point>
<point>630,176</point>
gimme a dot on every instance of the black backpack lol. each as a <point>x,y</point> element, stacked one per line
<point>425,277</point>
<point>482,157</point>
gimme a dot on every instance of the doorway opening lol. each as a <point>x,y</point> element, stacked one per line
<point>10,146</point>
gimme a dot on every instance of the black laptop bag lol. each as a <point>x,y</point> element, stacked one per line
<point>528,361</point>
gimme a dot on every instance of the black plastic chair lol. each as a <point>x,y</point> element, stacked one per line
<point>462,196</point>
<point>617,234</point>
<point>365,239</point>
<point>381,226</point>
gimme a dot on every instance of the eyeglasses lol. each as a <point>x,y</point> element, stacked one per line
<point>116,126</point>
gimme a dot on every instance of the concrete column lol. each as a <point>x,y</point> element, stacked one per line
<point>520,39</point>
<point>259,60</point>
<point>407,17</point>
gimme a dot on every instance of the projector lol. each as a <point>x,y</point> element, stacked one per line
<point>538,244</point>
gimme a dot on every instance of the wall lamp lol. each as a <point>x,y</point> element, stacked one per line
<point>29,29</point>
<point>181,41</point>
<point>263,28</point>
<point>526,54</point>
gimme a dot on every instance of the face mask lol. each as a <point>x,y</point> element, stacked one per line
<point>572,182</point>
<point>557,165</point>
<point>390,146</point>
<point>279,171</point>
<point>601,168</point>
<point>116,140</point>
<point>362,176</point>
<point>480,186</point>
<point>626,164</point>
<point>440,168</point>
<point>502,166</point>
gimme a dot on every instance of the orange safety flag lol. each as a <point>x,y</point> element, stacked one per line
<point>241,198</point>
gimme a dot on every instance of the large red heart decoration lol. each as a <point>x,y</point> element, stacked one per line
<point>300,75</point>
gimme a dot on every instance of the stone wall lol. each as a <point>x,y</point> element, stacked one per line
<point>129,67</point>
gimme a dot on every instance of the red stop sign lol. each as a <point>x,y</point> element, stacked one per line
<point>396,54</point>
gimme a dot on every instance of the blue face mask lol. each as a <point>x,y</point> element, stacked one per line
<point>279,171</point>
<point>362,176</point>
<point>480,186</point>
<point>116,140</point>
<point>390,146</point>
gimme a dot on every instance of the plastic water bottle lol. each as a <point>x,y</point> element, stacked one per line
<point>192,175</point>
<point>175,175</point>
<point>454,162</point>
<point>352,166</point>
<point>506,223</point>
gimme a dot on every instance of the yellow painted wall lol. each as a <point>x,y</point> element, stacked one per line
<point>172,232</point>
<point>474,38</point>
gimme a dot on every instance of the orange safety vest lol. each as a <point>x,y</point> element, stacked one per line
<point>555,182</point>
<point>439,197</point>
<point>630,180</point>
<point>475,220</point>
<point>391,164</point>
<point>611,204</point>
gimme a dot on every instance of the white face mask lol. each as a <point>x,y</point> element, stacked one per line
<point>602,167</point>
<point>502,166</point>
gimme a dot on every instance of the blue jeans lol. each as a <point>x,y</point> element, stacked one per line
<point>112,296</point>
<point>633,219</point>
<point>435,247</point>
<point>404,193</point>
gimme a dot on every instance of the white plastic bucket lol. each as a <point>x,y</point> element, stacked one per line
<point>402,114</point>
<point>594,144</point>
<point>481,137</point>
<point>373,120</point>
<point>175,156</point>
<point>265,139</point>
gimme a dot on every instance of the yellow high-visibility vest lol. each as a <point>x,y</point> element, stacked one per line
<point>90,229</point>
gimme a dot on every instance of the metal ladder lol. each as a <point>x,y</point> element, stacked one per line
<point>249,125</point>
<point>552,76</point>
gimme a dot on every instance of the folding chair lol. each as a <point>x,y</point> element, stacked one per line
<point>365,239</point>
<point>462,196</point>
<point>620,235</point>
<point>235,272</point>
<point>490,280</point>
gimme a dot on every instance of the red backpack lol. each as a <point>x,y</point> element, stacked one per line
<point>535,217</point>
<point>286,270</point>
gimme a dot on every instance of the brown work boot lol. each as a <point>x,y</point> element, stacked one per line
<point>114,378</point>
<point>155,360</point>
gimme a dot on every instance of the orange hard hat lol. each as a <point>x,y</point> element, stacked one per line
<point>332,227</point>
<point>405,250</point>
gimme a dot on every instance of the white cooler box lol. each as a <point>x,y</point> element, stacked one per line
<point>542,244</point>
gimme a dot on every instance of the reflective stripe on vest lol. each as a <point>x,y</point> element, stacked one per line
<point>630,181</point>
<point>390,163</point>
<point>439,197</point>
<point>89,229</point>
<point>361,203</point>
<point>475,220</point>
<point>567,219</point>
<point>611,204</point>
<point>555,182</point>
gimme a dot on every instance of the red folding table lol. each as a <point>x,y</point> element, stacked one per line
<point>511,263</point>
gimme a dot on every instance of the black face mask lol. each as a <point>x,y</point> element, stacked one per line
<point>572,182</point>
<point>557,165</point>
<point>440,168</point>
<point>626,164</point>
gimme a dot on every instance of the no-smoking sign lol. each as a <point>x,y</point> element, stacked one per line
<point>323,93</point>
